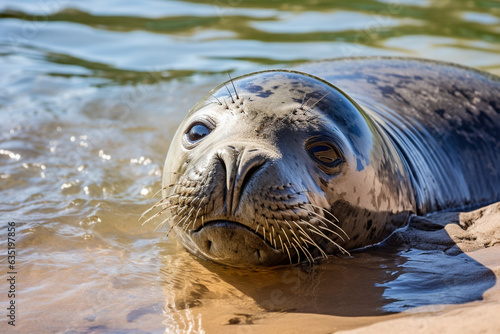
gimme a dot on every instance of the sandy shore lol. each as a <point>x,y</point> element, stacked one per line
<point>477,234</point>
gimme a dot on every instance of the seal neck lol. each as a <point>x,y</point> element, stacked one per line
<point>425,162</point>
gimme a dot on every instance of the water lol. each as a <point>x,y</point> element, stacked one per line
<point>91,93</point>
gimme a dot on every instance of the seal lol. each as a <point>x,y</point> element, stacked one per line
<point>287,166</point>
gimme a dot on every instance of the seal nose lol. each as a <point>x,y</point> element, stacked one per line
<point>241,167</point>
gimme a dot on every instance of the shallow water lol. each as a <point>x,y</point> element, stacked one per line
<point>91,93</point>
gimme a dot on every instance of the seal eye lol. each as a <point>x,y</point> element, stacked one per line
<point>196,132</point>
<point>325,154</point>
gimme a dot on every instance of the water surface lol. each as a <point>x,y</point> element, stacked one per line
<point>91,94</point>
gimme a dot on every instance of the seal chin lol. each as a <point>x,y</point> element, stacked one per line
<point>234,244</point>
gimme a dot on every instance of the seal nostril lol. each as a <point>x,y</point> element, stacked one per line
<point>208,244</point>
<point>249,175</point>
<point>239,168</point>
<point>224,172</point>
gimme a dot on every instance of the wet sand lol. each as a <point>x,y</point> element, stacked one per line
<point>477,234</point>
<point>474,317</point>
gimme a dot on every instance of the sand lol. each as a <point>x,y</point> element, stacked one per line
<point>476,233</point>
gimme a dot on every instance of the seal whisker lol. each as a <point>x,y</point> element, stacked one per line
<point>186,218</point>
<point>210,102</point>
<point>156,193</point>
<point>315,230</point>
<point>231,95</point>
<point>154,206</point>
<point>300,229</point>
<point>186,227</point>
<point>343,250</point>
<point>157,204</point>
<point>324,219</point>
<point>170,230</point>
<point>267,223</point>
<point>324,210</point>
<point>288,252</point>
<point>307,236</point>
<point>177,223</point>
<point>187,223</point>
<point>273,236</point>
<point>329,230</point>
<point>289,242</point>
<point>181,211</point>
<point>232,82</point>
<point>146,212</point>
<point>291,229</point>
<point>197,212</point>
<point>313,243</point>
<point>310,258</point>
<point>302,104</point>
<point>155,215</point>
<point>297,242</point>
<point>310,241</point>
<point>162,223</point>
<point>315,103</point>
<point>220,103</point>
<point>296,252</point>
<point>168,186</point>
<point>281,241</point>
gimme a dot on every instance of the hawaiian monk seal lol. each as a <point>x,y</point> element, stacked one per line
<point>283,166</point>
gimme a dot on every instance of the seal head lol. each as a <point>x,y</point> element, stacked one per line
<point>281,167</point>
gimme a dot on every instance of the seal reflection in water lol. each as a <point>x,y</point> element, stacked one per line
<point>284,166</point>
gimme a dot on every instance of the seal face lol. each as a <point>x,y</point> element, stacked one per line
<point>280,167</point>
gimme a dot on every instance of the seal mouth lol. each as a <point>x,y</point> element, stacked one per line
<point>232,243</point>
<point>227,224</point>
